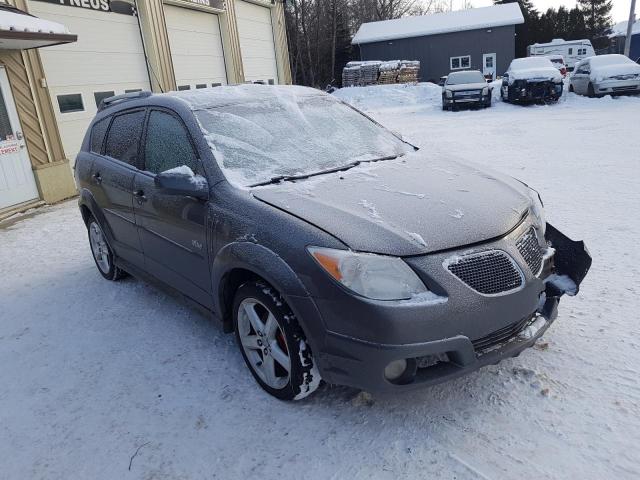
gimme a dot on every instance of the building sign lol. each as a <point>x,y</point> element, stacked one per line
<point>116,6</point>
<point>218,4</point>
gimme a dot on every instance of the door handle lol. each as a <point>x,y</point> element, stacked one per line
<point>97,177</point>
<point>139,194</point>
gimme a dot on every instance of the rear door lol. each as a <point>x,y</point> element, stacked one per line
<point>111,181</point>
<point>172,227</point>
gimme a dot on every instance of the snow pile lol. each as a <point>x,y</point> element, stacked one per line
<point>457,21</point>
<point>386,96</point>
<point>185,171</point>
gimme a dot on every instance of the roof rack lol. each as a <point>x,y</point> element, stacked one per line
<point>125,97</point>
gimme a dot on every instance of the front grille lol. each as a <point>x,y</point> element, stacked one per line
<point>531,251</point>
<point>502,335</point>
<point>625,89</point>
<point>488,272</point>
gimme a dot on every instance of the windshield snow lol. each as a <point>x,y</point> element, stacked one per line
<point>607,60</point>
<point>288,135</point>
<point>530,62</point>
<point>459,78</point>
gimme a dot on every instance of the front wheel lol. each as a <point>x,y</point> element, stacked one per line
<point>272,343</point>
<point>590,91</point>
<point>102,254</point>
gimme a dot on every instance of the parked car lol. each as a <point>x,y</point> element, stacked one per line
<point>606,75</point>
<point>442,80</point>
<point>283,212</point>
<point>531,79</point>
<point>559,63</point>
<point>466,89</point>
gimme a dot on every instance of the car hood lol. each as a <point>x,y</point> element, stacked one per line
<point>550,73</point>
<point>409,206</point>
<point>615,70</point>
<point>466,86</point>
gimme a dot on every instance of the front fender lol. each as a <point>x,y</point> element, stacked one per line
<point>87,200</point>
<point>258,260</point>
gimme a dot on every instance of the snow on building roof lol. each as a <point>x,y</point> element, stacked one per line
<point>620,29</point>
<point>460,20</point>
<point>15,20</point>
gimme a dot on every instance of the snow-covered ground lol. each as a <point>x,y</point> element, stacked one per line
<point>103,380</point>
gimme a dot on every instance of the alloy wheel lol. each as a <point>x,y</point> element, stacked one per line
<point>99,248</point>
<point>264,343</point>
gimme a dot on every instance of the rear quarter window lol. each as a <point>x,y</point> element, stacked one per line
<point>98,132</point>
<point>123,139</point>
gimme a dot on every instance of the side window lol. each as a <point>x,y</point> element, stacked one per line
<point>571,51</point>
<point>167,144</point>
<point>124,137</point>
<point>98,132</point>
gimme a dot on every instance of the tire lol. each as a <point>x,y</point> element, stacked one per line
<point>590,91</point>
<point>571,90</point>
<point>102,253</point>
<point>269,338</point>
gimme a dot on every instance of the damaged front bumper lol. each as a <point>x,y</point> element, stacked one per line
<point>361,363</point>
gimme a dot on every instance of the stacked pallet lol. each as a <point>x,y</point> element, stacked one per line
<point>389,72</point>
<point>375,72</point>
<point>409,71</point>
<point>369,73</point>
<point>351,74</point>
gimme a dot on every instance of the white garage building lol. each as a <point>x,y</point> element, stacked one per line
<point>129,45</point>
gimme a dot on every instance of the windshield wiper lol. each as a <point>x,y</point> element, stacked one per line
<point>287,178</point>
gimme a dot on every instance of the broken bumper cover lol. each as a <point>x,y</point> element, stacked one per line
<point>530,91</point>
<point>361,364</point>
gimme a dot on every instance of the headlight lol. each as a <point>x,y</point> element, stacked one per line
<point>537,209</point>
<point>448,93</point>
<point>485,91</point>
<point>373,276</point>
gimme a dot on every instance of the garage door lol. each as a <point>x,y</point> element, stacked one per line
<point>196,47</point>
<point>256,42</point>
<point>107,59</point>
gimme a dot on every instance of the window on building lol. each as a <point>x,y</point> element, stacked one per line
<point>272,81</point>
<point>5,122</point>
<point>459,63</point>
<point>167,144</point>
<point>99,96</point>
<point>184,87</point>
<point>98,132</point>
<point>217,84</point>
<point>201,85</point>
<point>571,51</point>
<point>71,102</point>
<point>132,90</point>
<point>124,137</point>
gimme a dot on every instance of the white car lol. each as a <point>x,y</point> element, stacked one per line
<point>606,75</point>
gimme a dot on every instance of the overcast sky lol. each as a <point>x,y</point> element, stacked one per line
<point>619,13</point>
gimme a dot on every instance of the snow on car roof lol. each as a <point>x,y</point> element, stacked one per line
<point>228,95</point>
<point>460,20</point>
<point>530,62</point>
<point>606,60</point>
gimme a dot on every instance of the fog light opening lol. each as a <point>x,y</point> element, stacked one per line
<point>401,372</point>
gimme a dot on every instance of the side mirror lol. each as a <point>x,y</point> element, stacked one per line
<point>183,184</point>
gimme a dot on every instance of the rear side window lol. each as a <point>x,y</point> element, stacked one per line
<point>167,145</point>
<point>97,134</point>
<point>124,137</point>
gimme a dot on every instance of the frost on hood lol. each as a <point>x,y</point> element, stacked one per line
<point>257,132</point>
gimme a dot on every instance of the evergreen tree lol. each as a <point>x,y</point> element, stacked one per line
<point>528,32</point>
<point>597,17</point>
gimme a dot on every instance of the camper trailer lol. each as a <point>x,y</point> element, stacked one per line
<point>572,50</point>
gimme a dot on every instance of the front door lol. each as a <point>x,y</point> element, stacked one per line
<point>17,184</point>
<point>489,66</point>
<point>172,228</point>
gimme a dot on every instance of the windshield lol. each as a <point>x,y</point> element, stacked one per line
<point>292,135</point>
<point>606,60</point>
<point>459,78</point>
<point>530,62</point>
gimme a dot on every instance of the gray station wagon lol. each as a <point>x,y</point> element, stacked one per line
<point>333,249</point>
